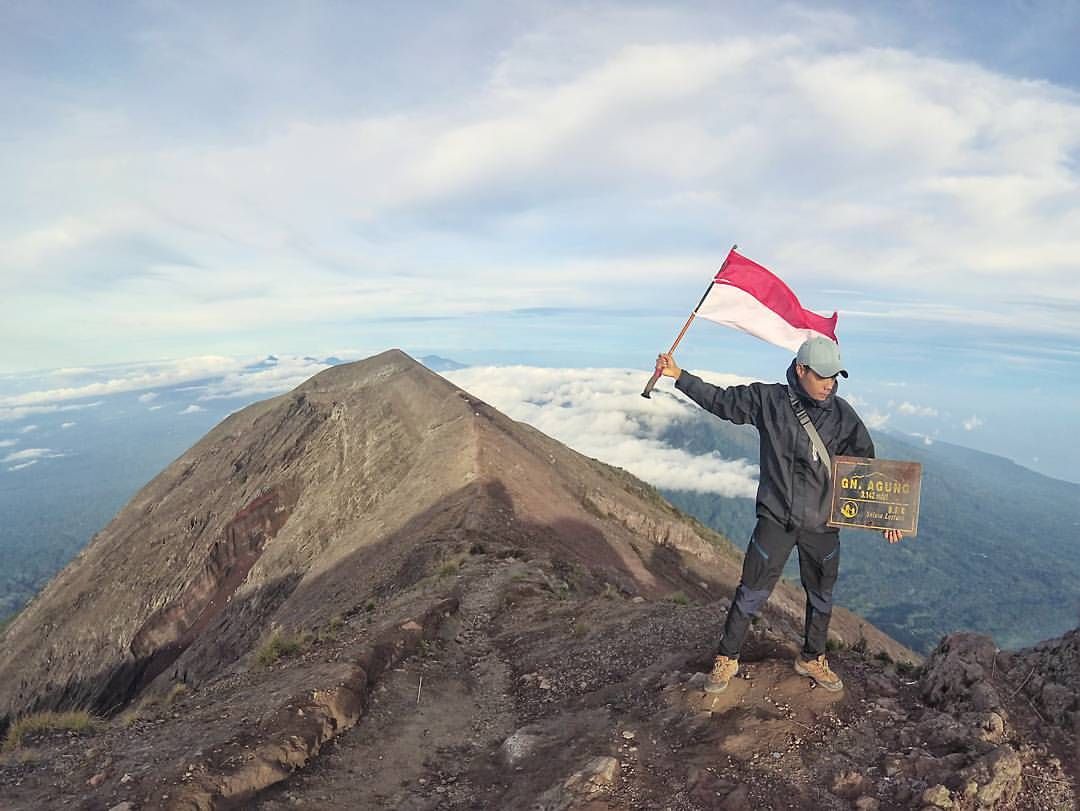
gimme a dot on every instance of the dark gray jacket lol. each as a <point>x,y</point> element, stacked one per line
<point>794,489</point>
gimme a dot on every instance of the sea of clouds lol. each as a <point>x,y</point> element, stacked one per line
<point>600,412</point>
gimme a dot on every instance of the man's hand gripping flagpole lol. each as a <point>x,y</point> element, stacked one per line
<point>664,361</point>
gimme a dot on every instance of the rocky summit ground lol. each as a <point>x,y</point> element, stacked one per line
<point>513,681</point>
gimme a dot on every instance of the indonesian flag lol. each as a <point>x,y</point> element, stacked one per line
<point>749,297</point>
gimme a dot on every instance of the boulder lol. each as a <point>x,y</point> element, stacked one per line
<point>937,797</point>
<point>850,784</point>
<point>598,775</point>
<point>997,774</point>
<point>957,676</point>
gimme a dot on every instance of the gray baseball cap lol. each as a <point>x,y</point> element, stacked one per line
<point>821,355</point>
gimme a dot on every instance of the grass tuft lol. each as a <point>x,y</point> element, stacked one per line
<point>861,646</point>
<point>332,630</point>
<point>179,690</point>
<point>906,668</point>
<point>74,721</point>
<point>279,646</point>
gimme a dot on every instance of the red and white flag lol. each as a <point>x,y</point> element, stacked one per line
<point>749,297</point>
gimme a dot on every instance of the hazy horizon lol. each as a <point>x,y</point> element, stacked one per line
<point>608,409</point>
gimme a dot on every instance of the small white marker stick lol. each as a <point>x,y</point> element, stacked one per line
<point>419,687</point>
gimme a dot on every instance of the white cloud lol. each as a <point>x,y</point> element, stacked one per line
<point>875,419</point>
<point>23,466</point>
<point>789,128</point>
<point>154,408</point>
<point>286,374</point>
<point>600,412</point>
<point>971,423</point>
<point>32,453</point>
<point>70,371</point>
<point>131,378</point>
<point>12,414</point>
<point>7,443</point>
<point>67,425</point>
<point>192,409</point>
<point>916,410</point>
<point>26,429</point>
<point>233,377</point>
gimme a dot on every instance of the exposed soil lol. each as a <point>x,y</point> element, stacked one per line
<point>549,689</point>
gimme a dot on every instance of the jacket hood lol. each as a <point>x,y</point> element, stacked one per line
<point>796,386</point>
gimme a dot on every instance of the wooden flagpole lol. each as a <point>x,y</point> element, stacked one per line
<point>659,371</point>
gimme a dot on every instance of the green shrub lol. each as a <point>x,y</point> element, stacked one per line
<point>281,645</point>
<point>906,668</point>
<point>560,588</point>
<point>679,598</point>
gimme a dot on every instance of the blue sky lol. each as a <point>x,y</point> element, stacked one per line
<point>551,184</point>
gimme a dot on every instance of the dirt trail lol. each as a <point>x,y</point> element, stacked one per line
<point>428,718</point>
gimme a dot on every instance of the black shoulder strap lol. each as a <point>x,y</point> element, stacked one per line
<point>815,438</point>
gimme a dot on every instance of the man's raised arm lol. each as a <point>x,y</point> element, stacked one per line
<point>738,404</point>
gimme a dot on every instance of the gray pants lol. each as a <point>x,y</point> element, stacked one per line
<point>770,546</point>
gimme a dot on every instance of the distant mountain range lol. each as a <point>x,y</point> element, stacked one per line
<point>440,364</point>
<point>997,551</point>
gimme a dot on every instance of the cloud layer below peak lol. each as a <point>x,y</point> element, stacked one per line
<point>600,413</point>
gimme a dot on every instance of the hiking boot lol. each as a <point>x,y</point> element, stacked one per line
<point>723,669</point>
<point>819,670</point>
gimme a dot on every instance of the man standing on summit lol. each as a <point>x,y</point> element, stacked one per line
<point>793,497</point>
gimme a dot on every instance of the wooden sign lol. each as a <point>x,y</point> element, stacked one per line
<point>875,494</point>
